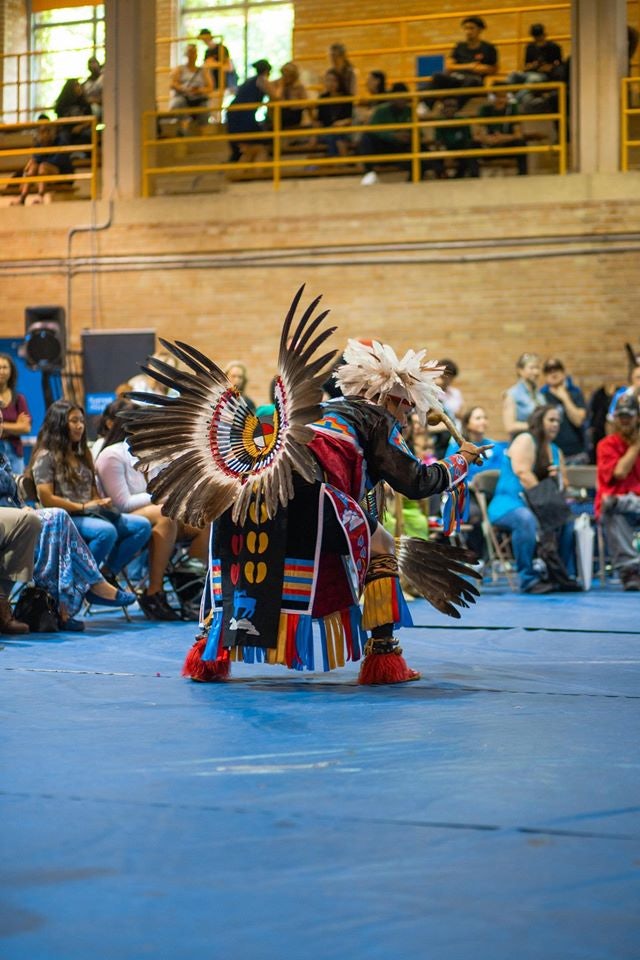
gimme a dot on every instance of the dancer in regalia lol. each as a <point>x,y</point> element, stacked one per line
<point>292,491</point>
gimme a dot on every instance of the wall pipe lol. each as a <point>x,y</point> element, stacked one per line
<point>344,255</point>
<point>92,228</point>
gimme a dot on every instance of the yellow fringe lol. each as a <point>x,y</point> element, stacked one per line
<point>335,640</point>
<point>378,606</point>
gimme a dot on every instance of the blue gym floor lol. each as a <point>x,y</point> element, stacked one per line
<point>489,811</point>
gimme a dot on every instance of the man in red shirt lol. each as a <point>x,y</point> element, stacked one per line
<point>618,493</point>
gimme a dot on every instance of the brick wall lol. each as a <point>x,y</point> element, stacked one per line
<point>470,302</point>
<point>310,45</point>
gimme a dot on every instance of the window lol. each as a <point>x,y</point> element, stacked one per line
<point>62,40</point>
<point>250,29</point>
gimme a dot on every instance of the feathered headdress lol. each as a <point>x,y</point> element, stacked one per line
<point>372,370</point>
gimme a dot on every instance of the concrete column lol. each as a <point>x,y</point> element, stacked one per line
<point>129,89</point>
<point>598,62</point>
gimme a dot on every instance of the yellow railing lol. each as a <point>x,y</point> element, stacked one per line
<point>28,151</point>
<point>416,152</point>
<point>404,22</point>
<point>174,56</point>
<point>629,95</point>
<point>24,82</point>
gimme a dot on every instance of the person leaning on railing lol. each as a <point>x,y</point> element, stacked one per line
<point>72,103</point>
<point>252,91</point>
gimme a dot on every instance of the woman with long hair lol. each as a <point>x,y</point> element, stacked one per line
<point>15,413</point>
<point>532,457</point>
<point>126,488</point>
<point>72,102</point>
<point>344,68</point>
<point>64,475</point>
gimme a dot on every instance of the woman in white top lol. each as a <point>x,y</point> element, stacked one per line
<point>127,488</point>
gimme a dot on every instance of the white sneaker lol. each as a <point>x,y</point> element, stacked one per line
<point>369,179</point>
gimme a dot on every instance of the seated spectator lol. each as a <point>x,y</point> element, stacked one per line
<point>106,421</point>
<point>19,532</point>
<point>216,55</point>
<point>389,141</point>
<point>560,391</point>
<point>190,87</point>
<point>59,562</point>
<point>344,68</point>
<point>63,471</point>
<point>253,91</point>
<point>72,103</point>
<point>453,404</point>
<point>290,87</point>
<point>470,61</point>
<point>617,501</point>
<point>143,382</point>
<point>454,138</point>
<point>45,164</point>
<point>376,85</point>
<point>336,115</point>
<point>632,390</point>
<point>523,397</point>
<point>474,428</point>
<point>531,458</point>
<point>597,411</point>
<point>237,374</point>
<point>542,63</point>
<point>502,132</point>
<point>92,87</point>
<point>15,413</point>
<point>126,487</point>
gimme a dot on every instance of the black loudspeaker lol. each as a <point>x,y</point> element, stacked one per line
<point>110,358</point>
<point>45,338</point>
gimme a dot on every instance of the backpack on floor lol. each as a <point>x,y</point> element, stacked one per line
<point>38,610</point>
<point>187,579</point>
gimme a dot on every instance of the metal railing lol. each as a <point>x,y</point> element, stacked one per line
<point>32,149</point>
<point>24,82</point>
<point>401,45</point>
<point>629,95</point>
<point>417,152</point>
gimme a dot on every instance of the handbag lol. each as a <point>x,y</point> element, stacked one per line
<point>102,513</point>
<point>548,505</point>
<point>38,609</point>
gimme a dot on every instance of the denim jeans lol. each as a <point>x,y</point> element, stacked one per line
<point>17,463</point>
<point>114,543</point>
<point>522,524</point>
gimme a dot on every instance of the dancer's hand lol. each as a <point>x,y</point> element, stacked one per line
<point>473,453</point>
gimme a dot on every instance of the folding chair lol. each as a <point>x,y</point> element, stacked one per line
<point>583,482</point>
<point>497,539</point>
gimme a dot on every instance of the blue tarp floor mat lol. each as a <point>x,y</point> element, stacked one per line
<point>489,811</point>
